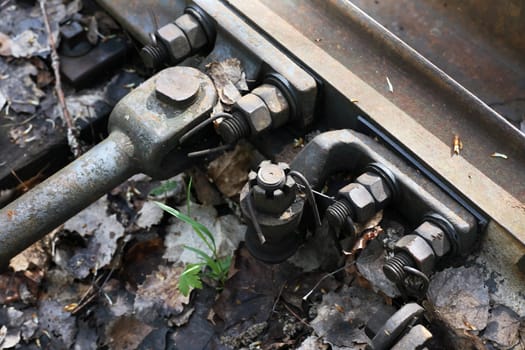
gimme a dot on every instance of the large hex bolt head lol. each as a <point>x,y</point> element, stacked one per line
<point>176,87</point>
<point>273,190</point>
<point>276,103</point>
<point>435,237</point>
<point>256,112</point>
<point>377,187</point>
<point>193,30</point>
<point>361,201</point>
<point>419,250</point>
<point>175,41</point>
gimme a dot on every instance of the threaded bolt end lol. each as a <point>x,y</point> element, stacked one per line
<point>153,55</point>
<point>233,129</point>
<point>394,268</point>
<point>337,213</point>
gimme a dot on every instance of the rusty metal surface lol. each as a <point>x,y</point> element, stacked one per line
<point>259,56</point>
<point>142,17</point>
<point>349,151</point>
<point>479,43</point>
<point>46,206</point>
<point>424,110</point>
<point>87,68</point>
<point>143,135</point>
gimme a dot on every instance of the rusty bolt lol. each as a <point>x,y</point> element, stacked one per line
<point>276,103</point>
<point>435,237</point>
<point>176,87</point>
<point>361,201</point>
<point>175,41</point>
<point>419,250</point>
<point>193,30</point>
<point>256,112</point>
<point>377,187</point>
<point>273,190</point>
<point>270,176</point>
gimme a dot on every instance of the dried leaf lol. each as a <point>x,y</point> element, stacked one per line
<point>150,214</point>
<point>361,243</point>
<point>339,308</point>
<point>229,79</point>
<point>102,232</point>
<point>127,332</point>
<point>5,45</point>
<point>160,293</point>
<point>58,324</point>
<point>230,171</point>
<point>227,231</point>
<point>457,145</point>
<point>92,33</point>
<point>34,256</point>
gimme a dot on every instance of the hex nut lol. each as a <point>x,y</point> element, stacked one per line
<point>434,236</point>
<point>276,103</point>
<point>273,201</point>
<point>193,30</point>
<point>377,187</point>
<point>360,200</point>
<point>256,113</point>
<point>252,178</point>
<point>175,41</point>
<point>419,250</point>
<point>277,191</point>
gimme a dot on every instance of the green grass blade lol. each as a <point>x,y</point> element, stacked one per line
<point>214,265</point>
<point>199,228</point>
<point>188,196</point>
<point>164,188</point>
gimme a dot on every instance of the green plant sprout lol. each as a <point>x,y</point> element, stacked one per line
<point>212,266</point>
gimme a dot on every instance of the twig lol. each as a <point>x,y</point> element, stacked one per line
<point>307,295</point>
<point>278,296</point>
<point>296,315</point>
<point>55,63</point>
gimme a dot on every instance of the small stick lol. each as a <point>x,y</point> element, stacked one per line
<point>55,63</point>
<point>307,295</point>
<point>296,315</point>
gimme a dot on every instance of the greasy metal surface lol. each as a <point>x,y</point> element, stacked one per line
<point>423,112</point>
<point>414,339</point>
<point>142,17</point>
<point>481,52</point>
<point>347,150</point>
<point>395,325</point>
<point>155,126</point>
<point>234,35</point>
<point>73,188</point>
<point>503,20</point>
<point>143,132</point>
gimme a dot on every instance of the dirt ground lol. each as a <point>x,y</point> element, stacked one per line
<point>109,277</point>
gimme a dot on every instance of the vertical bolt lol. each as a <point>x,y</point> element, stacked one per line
<point>175,86</point>
<point>271,176</point>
